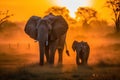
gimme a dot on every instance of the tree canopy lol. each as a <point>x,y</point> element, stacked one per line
<point>85,14</point>
<point>58,11</point>
<point>114,5</point>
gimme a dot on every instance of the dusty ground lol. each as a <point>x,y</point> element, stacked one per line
<point>65,72</point>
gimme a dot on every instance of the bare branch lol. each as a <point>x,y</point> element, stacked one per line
<point>5,15</point>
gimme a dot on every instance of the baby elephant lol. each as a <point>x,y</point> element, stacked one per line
<point>82,49</point>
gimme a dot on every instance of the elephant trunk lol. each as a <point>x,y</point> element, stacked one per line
<point>42,51</point>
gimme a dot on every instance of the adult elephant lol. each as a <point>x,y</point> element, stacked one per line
<point>51,34</point>
<point>82,52</point>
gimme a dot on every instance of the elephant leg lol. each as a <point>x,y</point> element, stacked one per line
<point>82,58</point>
<point>53,46</point>
<point>80,54</point>
<point>61,43</point>
<point>85,58</point>
<point>41,49</point>
<point>60,55</point>
<point>77,59</point>
<point>47,53</point>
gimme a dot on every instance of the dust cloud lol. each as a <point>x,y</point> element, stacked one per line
<point>16,47</point>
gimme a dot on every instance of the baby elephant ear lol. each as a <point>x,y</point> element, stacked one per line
<point>74,45</point>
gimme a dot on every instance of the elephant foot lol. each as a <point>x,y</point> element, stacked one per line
<point>41,64</point>
<point>82,64</point>
<point>46,63</point>
<point>51,62</point>
<point>59,62</point>
<point>78,63</point>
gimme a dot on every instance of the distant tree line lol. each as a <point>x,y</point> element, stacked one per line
<point>85,15</point>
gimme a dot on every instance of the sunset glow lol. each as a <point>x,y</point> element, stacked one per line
<point>22,10</point>
<point>72,5</point>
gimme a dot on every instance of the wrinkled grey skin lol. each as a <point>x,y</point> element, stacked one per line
<point>82,52</point>
<point>50,37</point>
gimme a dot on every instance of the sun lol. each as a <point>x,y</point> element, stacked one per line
<point>72,5</point>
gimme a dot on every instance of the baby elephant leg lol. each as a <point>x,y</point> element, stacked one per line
<point>77,59</point>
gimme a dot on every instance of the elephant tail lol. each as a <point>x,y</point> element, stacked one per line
<point>67,51</point>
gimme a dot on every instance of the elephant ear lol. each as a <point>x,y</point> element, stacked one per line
<point>30,27</point>
<point>59,27</point>
<point>74,45</point>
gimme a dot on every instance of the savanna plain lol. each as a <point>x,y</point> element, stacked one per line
<point>19,55</point>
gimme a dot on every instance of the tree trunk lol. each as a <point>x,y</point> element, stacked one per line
<point>117,25</point>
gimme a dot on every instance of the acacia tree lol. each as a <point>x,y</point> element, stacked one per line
<point>59,11</point>
<point>85,14</point>
<point>4,16</point>
<point>114,5</point>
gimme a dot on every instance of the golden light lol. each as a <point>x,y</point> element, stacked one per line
<point>72,5</point>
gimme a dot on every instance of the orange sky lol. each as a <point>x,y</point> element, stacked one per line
<point>23,9</point>
<point>104,12</point>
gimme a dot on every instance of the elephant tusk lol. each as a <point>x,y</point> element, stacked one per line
<point>35,41</point>
<point>46,43</point>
